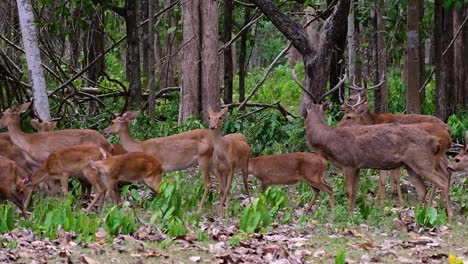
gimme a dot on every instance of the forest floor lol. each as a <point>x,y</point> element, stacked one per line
<point>397,240</point>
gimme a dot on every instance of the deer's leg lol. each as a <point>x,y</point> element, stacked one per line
<point>227,190</point>
<point>396,176</point>
<point>245,175</point>
<point>205,163</point>
<point>314,199</point>
<point>382,181</point>
<point>95,200</point>
<point>351,185</point>
<point>64,182</point>
<point>418,184</point>
<point>319,184</point>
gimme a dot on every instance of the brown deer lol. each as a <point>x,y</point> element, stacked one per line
<point>37,147</point>
<point>383,146</point>
<point>359,114</point>
<point>291,168</point>
<point>11,183</point>
<point>130,167</point>
<point>118,150</point>
<point>72,161</point>
<point>460,162</point>
<point>231,152</point>
<point>176,152</point>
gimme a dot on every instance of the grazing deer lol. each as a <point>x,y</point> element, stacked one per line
<point>72,161</point>
<point>460,162</point>
<point>176,152</point>
<point>130,167</point>
<point>383,147</point>
<point>291,168</point>
<point>118,150</point>
<point>359,114</point>
<point>231,153</point>
<point>37,147</point>
<point>11,183</point>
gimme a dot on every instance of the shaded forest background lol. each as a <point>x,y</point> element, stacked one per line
<point>194,54</point>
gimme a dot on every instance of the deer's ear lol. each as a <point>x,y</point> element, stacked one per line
<point>326,105</point>
<point>53,124</point>
<point>24,107</point>
<point>128,116</point>
<point>210,111</point>
<point>35,124</point>
<point>224,110</point>
<point>362,108</point>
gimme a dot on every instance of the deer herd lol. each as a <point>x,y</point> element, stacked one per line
<point>361,140</point>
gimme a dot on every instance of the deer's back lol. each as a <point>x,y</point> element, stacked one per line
<point>409,119</point>
<point>130,166</point>
<point>73,159</point>
<point>288,163</point>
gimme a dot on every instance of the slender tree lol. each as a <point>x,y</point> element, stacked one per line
<point>228,67</point>
<point>33,58</point>
<point>413,103</point>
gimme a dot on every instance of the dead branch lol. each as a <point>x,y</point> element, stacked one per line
<point>275,105</point>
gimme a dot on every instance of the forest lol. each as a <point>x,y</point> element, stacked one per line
<point>127,125</point>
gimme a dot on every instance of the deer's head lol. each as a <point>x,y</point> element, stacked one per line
<point>216,118</point>
<point>120,122</point>
<point>13,113</point>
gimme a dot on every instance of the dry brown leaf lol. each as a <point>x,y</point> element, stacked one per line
<point>101,235</point>
<point>352,232</point>
<point>88,260</point>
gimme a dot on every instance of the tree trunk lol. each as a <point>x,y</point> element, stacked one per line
<point>422,65</point>
<point>169,64</point>
<point>351,44</point>
<point>243,55</point>
<point>381,94</point>
<point>443,31</point>
<point>228,65</point>
<point>143,15</point>
<point>190,102</point>
<point>465,56</point>
<point>94,46</point>
<point>209,54</point>
<point>133,52</point>
<point>460,69</point>
<point>33,58</point>
<point>317,63</point>
<point>374,44</point>
<point>152,4</point>
<point>413,103</point>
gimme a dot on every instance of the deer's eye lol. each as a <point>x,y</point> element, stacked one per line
<point>457,160</point>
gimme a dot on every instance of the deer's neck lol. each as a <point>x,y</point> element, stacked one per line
<point>128,143</point>
<point>17,136</point>
<point>218,143</point>
<point>319,133</point>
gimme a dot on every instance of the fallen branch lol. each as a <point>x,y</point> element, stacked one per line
<point>275,105</point>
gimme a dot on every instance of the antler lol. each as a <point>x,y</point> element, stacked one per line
<point>359,101</point>
<point>337,86</point>
<point>358,88</point>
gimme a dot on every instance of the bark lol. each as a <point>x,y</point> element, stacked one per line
<point>351,44</point>
<point>209,54</point>
<point>381,94</point>
<point>460,69</point>
<point>151,58</point>
<point>413,103</point>
<point>190,102</point>
<point>94,46</point>
<point>33,58</point>
<point>145,45</point>
<point>317,63</point>
<point>422,65</point>
<point>374,44</point>
<point>359,62</point>
<point>228,65</point>
<point>169,39</point>
<point>443,73</point>
<point>465,56</point>
<point>133,52</point>
<point>243,55</point>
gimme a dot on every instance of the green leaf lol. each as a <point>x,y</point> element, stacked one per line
<point>340,258</point>
<point>171,29</point>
